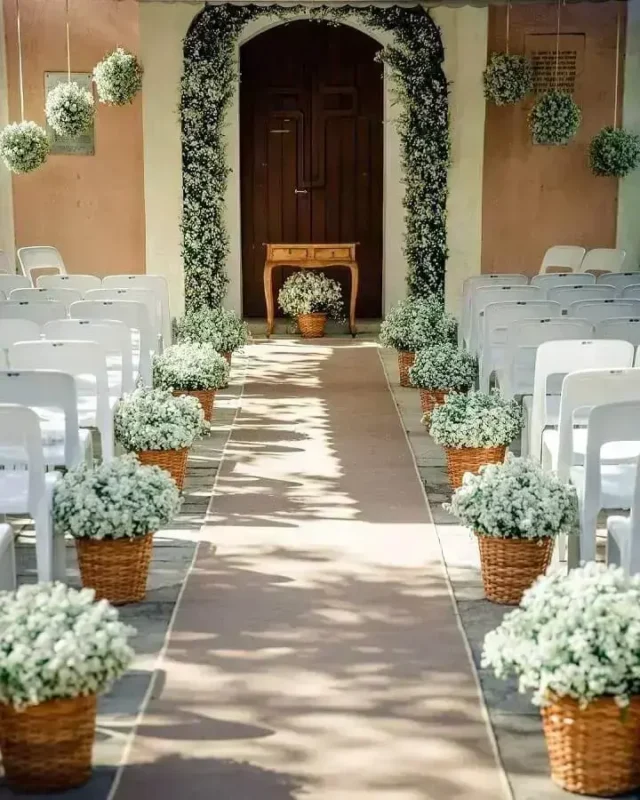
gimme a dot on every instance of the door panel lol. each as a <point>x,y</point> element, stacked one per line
<point>311,151</point>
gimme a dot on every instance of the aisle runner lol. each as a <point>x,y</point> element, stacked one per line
<point>316,654</point>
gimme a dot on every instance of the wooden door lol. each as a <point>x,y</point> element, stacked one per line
<point>311,151</point>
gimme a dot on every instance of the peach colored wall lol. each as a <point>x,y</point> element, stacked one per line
<point>534,196</point>
<point>90,207</point>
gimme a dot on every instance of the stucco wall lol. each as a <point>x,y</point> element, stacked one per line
<point>6,194</point>
<point>90,207</point>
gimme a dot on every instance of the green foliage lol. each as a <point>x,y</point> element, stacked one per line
<point>507,79</point>
<point>614,153</point>
<point>554,119</point>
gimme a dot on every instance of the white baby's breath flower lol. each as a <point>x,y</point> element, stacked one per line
<point>69,109</point>
<point>189,367</point>
<point>444,367</point>
<point>475,419</point>
<point>309,292</point>
<point>417,322</point>
<point>222,328</point>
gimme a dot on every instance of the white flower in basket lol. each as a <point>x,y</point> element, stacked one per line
<point>444,367</point>
<point>475,420</point>
<point>217,326</point>
<point>310,292</point>
<point>190,366</point>
<point>417,322</point>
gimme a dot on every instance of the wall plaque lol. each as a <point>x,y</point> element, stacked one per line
<point>83,145</point>
<point>542,49</point>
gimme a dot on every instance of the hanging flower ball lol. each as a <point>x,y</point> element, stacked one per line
<point>507,79</point>
<point>70,109</point>
<point>614,153</point>
<point>118,77</point>
<point>24,146</point>
<point>554,119</point>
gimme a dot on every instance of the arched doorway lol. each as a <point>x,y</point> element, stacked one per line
<point>311,139</point>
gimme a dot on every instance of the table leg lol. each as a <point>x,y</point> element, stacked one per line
<point>268,296</point>
<point>354,297</point>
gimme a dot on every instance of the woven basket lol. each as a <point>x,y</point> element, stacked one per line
<point>227,356</point>
<point>470,459</point>
<point>311,326</point>
<point>206,398</point>
<point>430,398</point>
<point>48,747</point>
<point>116,568</point>
<point>405,362</point>
<point>174,461</point>
<point>509,566</point>
<point>594,750</point>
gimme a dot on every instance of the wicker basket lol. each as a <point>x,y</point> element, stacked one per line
<point>206,398</point>
<point>594,750</point>
<point>405,362</point>
<point>311,326</point>
<point>430,398</point>
<point>227,356</point>
<point>48,747</point>
<point>174,461</point>
<point>116,568</point>
<point>470,459</point>
<point>509,566</point>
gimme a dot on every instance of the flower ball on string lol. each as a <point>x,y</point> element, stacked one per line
<point>118,77</point>
<point>554,119</point>
<point>24,146</point>
<point>507,79</point>
<point>614,153</point>
<point>70,109</point>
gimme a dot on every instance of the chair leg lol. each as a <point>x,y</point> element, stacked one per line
<point>44,542</point>
<point>614,553</point>
<point>588,529</point>
<point>562,547</point>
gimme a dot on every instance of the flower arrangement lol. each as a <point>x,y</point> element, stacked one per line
<point>224,329</point>
<point>190,366</point>
<point>117,499</point>
<point>153,419</point>
<point>309,292</point>
<point>417,322</point>
<point>508,78</point>
<point>476,420</point>
<point>614,153</point>
<point>444,367</point>
<point>516,500</point>
<point>24,146</point>
<point>56,642</point>
<point>118,77</point>
<point>554,119</point>
<point>70,109</point>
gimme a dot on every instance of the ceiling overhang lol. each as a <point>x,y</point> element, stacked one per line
<point>379,3</point>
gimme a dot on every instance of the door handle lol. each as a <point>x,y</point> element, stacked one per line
<point>300,191</point>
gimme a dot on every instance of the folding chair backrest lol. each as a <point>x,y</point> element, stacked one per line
<point>563,255</point>
<point>34,259</point>
<point>156,283</point>
<point>20,428</point>
<point>39,311</point>
<point>46,388</point>
<point>64,296</point>
<point>566,295</point>
<point>619,279</point>
<point>553,280</point>
<point>475,282</point>
<point>597,310</point>
<point>626,328</point>
<point>485,295</point>
<point>604,259</point>
<point>146,296</point>
<point>585,389</point>
<point>561,358</point>
<point>81,283</point>
<point>10,282</point>
<point>631,292</point>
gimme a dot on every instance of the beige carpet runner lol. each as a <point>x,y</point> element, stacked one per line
<point>316,653</point>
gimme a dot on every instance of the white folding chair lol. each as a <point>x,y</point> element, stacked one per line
<point>39,258</point>
<point>38,311</point>
<point>135,316</point>
<point>566,295</point>
<point>157,284</point>
<point>81,283</point>
<point>5,263</point>
<point>10,282</point>
<point>484,295</point>
<point>16,330</point>
<point>84,360</point>
<point>554,280</point>
<point>8,580</point>
<point>146,296</point>
<point>619,279</point>
<point>631,292</point>
<point>598,310</point>
<point>64,296</point>
<point>115,338</point>
<point>604,485</point>
<point>53,395</point>
<point>559,359</point>
<point>623,534</point>
<point>523,339</point>
<point>604,259</point>
<point>563,256</point>
<point>497,318</point>
<point>468,289</point>
<point>626,328</point>
<point>30,491</point>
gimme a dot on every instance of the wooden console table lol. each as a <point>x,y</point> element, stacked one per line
<point>310,256</point>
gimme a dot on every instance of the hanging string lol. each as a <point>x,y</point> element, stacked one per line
<point>66,17</point>
<point>617,81</point>
<point>20,60</point>
<point>557,45</point>
<point>508,23</point>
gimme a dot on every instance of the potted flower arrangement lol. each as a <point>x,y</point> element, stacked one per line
<point>474,429</point>
<point>415,323</point>
<point>575,643</point>
<point>159,428</point>
<point>112,512</point>
<point>309,298</point>
<point>192,369</point>
<point>441,369</point>
<point>217,326</point>
<point>58,650</point>
<point>516,510</point>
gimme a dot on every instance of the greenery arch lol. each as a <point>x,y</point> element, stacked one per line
<point>208,86</point>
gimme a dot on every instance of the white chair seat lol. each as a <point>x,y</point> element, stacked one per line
<point>14,489</point>
<point>52,429</point>
<point>613,453</point>
<point>617,484</point>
